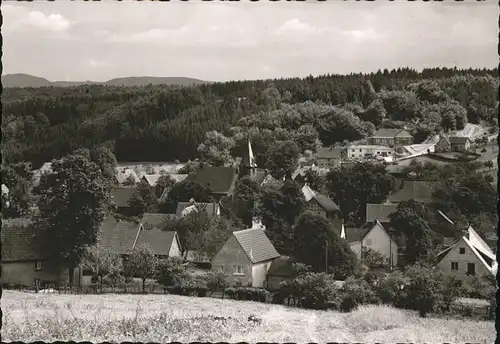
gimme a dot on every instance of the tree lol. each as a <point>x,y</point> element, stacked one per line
<point>246,194</point>
<point>216,149</point>
<point>354,187</point>
<point>129,181</point>
<point>103,262</point>
<point>410,221</point>
<point>356,292</point>
<point>171,271</point>
<point>142,263</point>
<point>143,198</point>
<point>105,159</point>
<point>307,138</point>
<point>371,258</point>
<point>375,113</point>
<point>282,159</point>
<point>216,281</point>
<point>184,191</point>
<point>279,209</point>
<point>72,203</point>
<point>389,288</point>
<point>18,179</point>
<point>423,289</point>
<point>313,237</point>
<point>164,182</point>
<point>314,180</point>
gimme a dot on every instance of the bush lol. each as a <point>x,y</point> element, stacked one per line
<point>216,281</point>
<point>423,290</point>
<point>390,288</point>
<point>247,294</point>
<point>356,292</point>
<point>314,290</point>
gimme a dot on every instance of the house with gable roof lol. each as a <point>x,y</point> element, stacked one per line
<point>220,180</point>
<point>376,238</point>
<point>123,236</point>
<point>391,137</point>
<point>460,143</point>
<point>246,257</point>
<point>156,220</point>
<point>330,157</point>
<point>469,256</point>
<point>24,260</point>
<point>121,197</point>
<point>420,191</point>
<point>320,204</point>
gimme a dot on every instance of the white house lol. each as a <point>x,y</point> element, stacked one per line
<point>359,152</point>
<point>470,255</point>
<point>376,238</point>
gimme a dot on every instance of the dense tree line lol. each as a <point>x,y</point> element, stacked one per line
<point>159,123</point>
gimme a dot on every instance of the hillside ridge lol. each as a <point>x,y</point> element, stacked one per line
<point>28,80</point>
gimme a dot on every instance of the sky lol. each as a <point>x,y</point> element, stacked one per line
<point>220,41</point>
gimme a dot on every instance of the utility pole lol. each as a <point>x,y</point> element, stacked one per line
<point>326,256</point>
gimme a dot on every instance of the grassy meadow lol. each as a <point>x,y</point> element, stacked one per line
<point>165,318</point>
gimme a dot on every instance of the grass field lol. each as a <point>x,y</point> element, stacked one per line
<point>165,318</point>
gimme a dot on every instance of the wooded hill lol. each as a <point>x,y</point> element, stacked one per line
<point>165,123</point>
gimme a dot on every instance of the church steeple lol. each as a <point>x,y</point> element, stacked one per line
<point>248,164</point>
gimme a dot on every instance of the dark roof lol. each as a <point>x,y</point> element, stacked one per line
<point>379,212</point>
<point>256,245</point>
<point>390,132</point>
<point>443,138</point>
<point>420,191</point>
<point>218,179</point>
<point>19,242</point>
<point>259,176</point>
<point>281,266</point>
<point>155,220</point>
<point>159,241</point>
<point>458,139</point>
<point>355,234</point>
<point>329,152</point>
<point>210,208</point>
<point>120,236</point>
<point>326,203</point>
<point>121,196</point>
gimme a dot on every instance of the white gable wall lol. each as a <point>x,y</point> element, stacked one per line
<point>379,240</point>
<point>259,273</point>
<point>175,250</point>
<point>462,259</point>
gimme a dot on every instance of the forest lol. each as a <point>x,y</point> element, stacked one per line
<point>168,123</point>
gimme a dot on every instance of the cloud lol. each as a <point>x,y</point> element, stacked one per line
<point>221,41</point>
<point>294,26</point>
<point>52,22</point>
<point>22,19</point>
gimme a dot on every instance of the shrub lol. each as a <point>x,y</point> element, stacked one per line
<point>423,290</point>
<point>170,272</point>
<point>314,290</point>
<point>357,292</point>
<point>389,289</point>
<point>216,281</point>
<point>247,294</point>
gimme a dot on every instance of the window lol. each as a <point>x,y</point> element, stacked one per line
<point>220,268</point>
<point>360,150</point>
<point>37,281</point>
<point>454,266</point>
<point>368,242</point>
<point>238,270</point>
<point>462,250</point>
<point>38,265</point>
<point>471,269</point>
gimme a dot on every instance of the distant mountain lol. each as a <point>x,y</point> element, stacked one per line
<point>26,80</point>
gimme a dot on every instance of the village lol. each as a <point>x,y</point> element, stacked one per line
<point>247,257</point>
